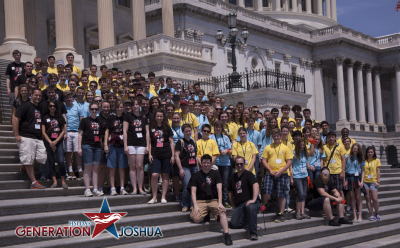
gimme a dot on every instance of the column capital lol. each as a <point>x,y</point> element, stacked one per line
<point>369,67</point>
<point>397,67</point>
<point>303,62</point>
<point>360,65</point>
<point>317,63</point>
<point>377,70</point>
<point>339,60</point>
<point>309,64</point>
<point>350,62</point>
<point>270,53</point>
<point>286,57</point>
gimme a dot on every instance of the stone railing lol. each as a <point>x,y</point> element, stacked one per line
<point>155,44</point>
<point>151,2</point>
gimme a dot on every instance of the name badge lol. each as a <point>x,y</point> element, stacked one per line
<point>317,164</point>
<point>356,173</point>
<point>153,130</point>
<point>56,129</point>
<point>278,161</point>
<point>95,132</point>
<point>96,138</point>
<point>37,126</point>
<point>192,161</point>
<point>121,137</point>
<point>370,176</point>
<point>246,161</point>
<point>48,120</point>
<point>139,135</point>
<point>333,161</point>
<point>239,191</point>
<point>54,135</point>
<point>38,120</point>
<point>303,170</point>
<point>160,144</point>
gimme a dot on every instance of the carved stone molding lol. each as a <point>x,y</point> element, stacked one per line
<point>309,64</point>
<point>339,60</point>
<point>368,67</point>
<point>377,70</point>
<point>317,63</point>
<point>178,32</point>
<point>188,33</point>
<point>174,68</point>
<point>287,57</point>
<point>360,65</point>
<point>350,62</point>
<point>198,35</point>
<point>242,47</point>
<point>303,62</point>
<point>270,53</point>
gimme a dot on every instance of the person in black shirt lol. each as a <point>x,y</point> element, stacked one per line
<point>185,157</point>
<point>89,147</point>
<point>161,153</point>
<point>54,127</point>
<point>24,77</point>
<point>52,78</point>
<point>103,116</point>
<point>114,147</point>
<point>13,70</point>
<point>29,136</point>
<point>206,190</point>
<point>51,97</point>
<point>136,141</point>
<point>243,192</point>
<point>323,195</point>
<point>23,97</point>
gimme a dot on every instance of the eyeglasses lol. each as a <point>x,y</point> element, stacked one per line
<point>33,82</point>
<point>94,109</point>
<point>52,106</point>
<point>206,131</point>
<point>98,100</point>
<point>254,111</point>
<point>128,73</point>
<point>192,93</point>
<point>239,164</point>
<point>229,113</point>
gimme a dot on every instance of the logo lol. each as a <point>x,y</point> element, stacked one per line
<point>37,114</point>
<point>105,220</point>
<point>137,123</point>
<point>158,133</point>
<point>238,185</point>
<point>94,126</point>
<point>208,180</point>
<point>116,123</point>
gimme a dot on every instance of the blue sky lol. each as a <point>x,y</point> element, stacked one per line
<point>372,17</point>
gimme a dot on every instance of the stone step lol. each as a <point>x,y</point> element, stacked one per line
<point>10,139</point>
<point>25,184</point>
<point>387,242</point>
<point>6,127</point>
<point>7,133</point>
<point>9,152</point>
<point>8,145</point>
<point>9,159</point>
<point>47,192</point>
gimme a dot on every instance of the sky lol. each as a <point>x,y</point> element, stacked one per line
<point>371,17</point>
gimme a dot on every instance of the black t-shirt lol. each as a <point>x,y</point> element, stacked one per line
<point>187,153</point>
<point>242,187</point>
<point>115,129</point>
<point>160,145</point>
<point>60,105</point>
<point>212,178</point>
<point>14,70</point>
<point>91,131</point>
<point>317,183</point>
<point>23,79</point>
<point>31,118</point>
<point>59,95</point>
<point>103,124</point>
<point>53,126</point>
<point>136,130</point>
<point>16,103</point>
<point>149,117</point>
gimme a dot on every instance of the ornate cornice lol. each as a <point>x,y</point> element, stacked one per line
<point>309,64</point>
<point>377,70</point>
<point>317,63</point>
<point>303,62</point>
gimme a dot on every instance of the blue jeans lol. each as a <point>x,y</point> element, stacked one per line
<point>301,187</point>
<point>287,195</point>
<point>224,172</point>
<point>314,174</point>
<point>51,163</point>
<point>243,216</point>
<point>186,197</point>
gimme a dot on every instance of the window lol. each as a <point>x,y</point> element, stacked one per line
<point>277,67</point>
<point>232,2</point>
<point>248,3</point>
<point>265,3</point>
<point>281,3</point>
<point>294,71</point>
<point>125,3</point>
<point>254,63</point>
<point>229,58</point>
<point>303,5</point>
<point>290,5</point>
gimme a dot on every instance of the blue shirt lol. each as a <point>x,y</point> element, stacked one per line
<point>323,137</point>
<point>196,98</point>
<point>149,95</point>
<point>299,166</point>
<point>45,79</point>
<point>253,136</point>
<point>352,167</point>
<point>84,107</point>
<point>66,82</point>
<point>223,143</point>
<point>259,121</point>
<point>312,161</point>
<point>170,89</point>
<point>178,134</point>
<point>265,141</point>
<point>202,120</point>
<point>73,117</point>
<point>304,121</point>
<point>98,92</point>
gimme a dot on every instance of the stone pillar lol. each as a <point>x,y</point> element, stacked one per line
<point>308,6</point>
<point>30,22</point>
<point>300,6</point>
<point>341,96</point>
<point>259,6</point>
<point>106,23</point>
<point>276,5</point>
<point>397,69</point>
<point>328,8</point>
<point>139,20</point>
<point>360,92</point>
<point>333,10</point>
<point>370,95</point>
<point>393,89</point>
<point>378,96</point>
<point>320,6</point>
<point>168,18</point>
<point>318,93</point>
<point>240,3</point>
<point>350,86</point>
<point>286,5</point>
<point>294,5</point>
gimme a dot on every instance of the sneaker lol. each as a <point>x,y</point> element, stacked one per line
<point>37,185</point>
<point>334,223</point>
<point>71,176</point>
<point>178,198</point>
<point>113,192</point>
<point>227,239</point>
<point>344,221</point>
<point>96,192</point>
<point>152,201</point>
<point>378,217</point>
<point>184,209</point>
<point>372,218</point>
<point>253,237</point>
<point>80,175</point>
<point>299,217</point>
<point>227,205</point>
<point>348,208</point>
<point>279,218</point>
<point>289,210</point>
<point>360,220</point>
<point>123,192</point>
<point>147,190</point>
<point>163,201</point>
<point>305,216</point>
<point>101,192</point>
<point>88,193</point>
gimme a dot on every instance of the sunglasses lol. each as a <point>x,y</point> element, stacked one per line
<point>163,104</point>
<point>128,73</point>
<point>229,113</point>
<point>239,164</point>
<point>325,172</point>
<point>52,106</point>
<point>206,131</point>
<point>192,93</point>
<point>99,101</point>
<point>218,108</point>
<point>94,109</point>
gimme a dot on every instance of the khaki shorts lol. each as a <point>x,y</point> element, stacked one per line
<point>71,143</point>
<point>205,206</point>
<point>31,150</point>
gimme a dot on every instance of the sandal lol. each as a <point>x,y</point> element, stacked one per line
<point>53,186</point>
<point>65,186</point>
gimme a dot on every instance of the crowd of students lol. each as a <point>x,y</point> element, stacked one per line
<point>118,129</point>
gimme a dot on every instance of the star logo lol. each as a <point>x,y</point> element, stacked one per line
<point>105,220</point>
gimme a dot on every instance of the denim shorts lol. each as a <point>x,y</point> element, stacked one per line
<point>161,165</point>
<point>91,155</point>
<point>370,186</point>
<point>117,158</point>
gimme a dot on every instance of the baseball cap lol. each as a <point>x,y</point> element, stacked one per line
<point>183,102</point>
<point>60,62</point>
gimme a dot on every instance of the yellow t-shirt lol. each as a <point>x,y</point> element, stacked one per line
<point>209,147</point>
<point>52,70</point>
<point>233,130</point>
<point>91,78</point>
<point>280,118</point>
<point>245,150</point>
<point>77,71</point>
<point>62,87</point>
<point>190,119</point>
<point>34,71</point>
<point>289,137</point>
<point>335,165</point>
<point>370,170</point>
<point>273,152</point>
<point>298,129</point>
<point>255,126</point>
<point>340,142</point>
<point>307,142</point>
<point>289,144</point>
<point>42,87</point>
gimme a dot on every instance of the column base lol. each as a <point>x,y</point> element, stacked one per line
<point>354,126</point>
<point>371,127</point>
<point>28,53</point>
<point>78,59</point>
<point>342,124</point>
<point>381,128</point>
<point>398,127</point>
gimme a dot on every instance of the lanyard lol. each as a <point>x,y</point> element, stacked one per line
<point>243,150</point>
<point>277,153</point>
<point>218,143</point>
<point>175,131</point>
<point>188,119</point>
<point>202,147</point>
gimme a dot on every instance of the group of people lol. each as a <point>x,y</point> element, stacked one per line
<point>118,129</point>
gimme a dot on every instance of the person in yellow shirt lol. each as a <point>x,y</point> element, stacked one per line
<point>207,146</point>
<point>238,118</point>
<point>306,135</point>
<point>189,118</point>
<point>285,109</point>
<point>372,180</point>
<point>284,139</point>
<point>37,69</point>
<point>229,130</point>
<point>62,85</point>
<point>245,149</point>
<point>84,83</point>
<point>151,76</point>
<point>156,87</point>
<point>335,163</point>
<point>75,69</point>
<point>345,134</point>
<point>93,72</point>
<point>298,120</point>
<point>347,147</point>
<point>246,114</point>
<point>42,86</point>
<point>52,61</point>
<point>276,158</point>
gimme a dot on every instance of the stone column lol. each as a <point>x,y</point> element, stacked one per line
<point>294,5</point>
<point>139,20</point>
<point>308,6</point>
<point>168,18</point>
<point>341,96</point>
<point>276,5</point>
<point>240,3</point>
<point>259,6</point>
<point>106,23</point>
<point>370,95</point>
<point>360,92</point>
<point>397,70</point>
<point>30,22</point>
<point>300,6</point>
<point>378,96</point>
<point>350,86</point>
<point>333,10</point>
<point>328,8</point>
<point>318,92</point>
<point>286,5</point>
<point>394,98</point>
<point>320,6</point>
